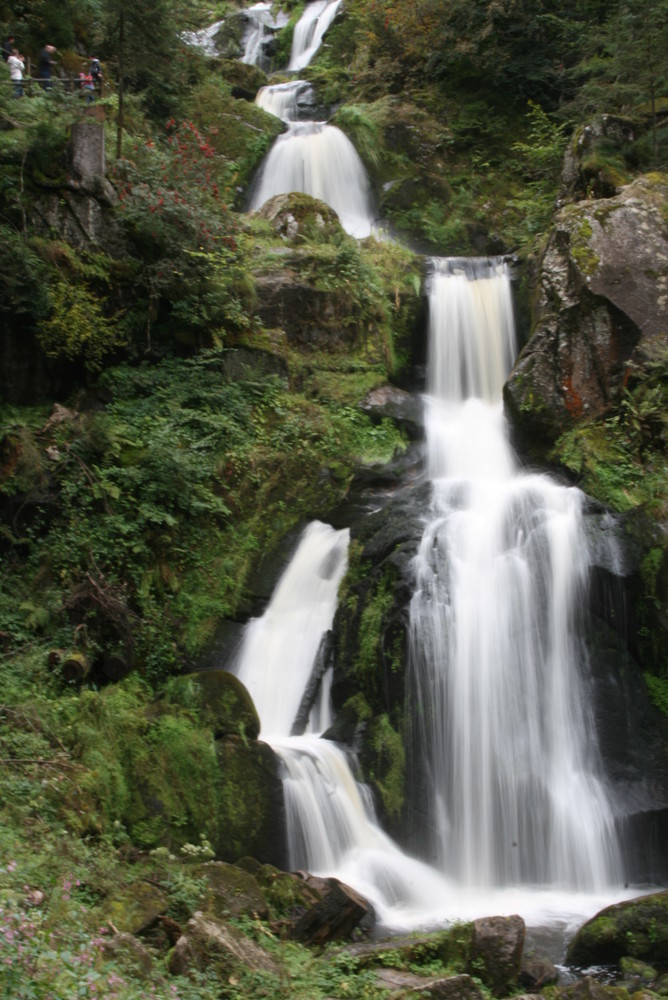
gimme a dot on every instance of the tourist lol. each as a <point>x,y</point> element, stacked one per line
<point>45,66</point>
<point>7,47</point>
<point>16,62</point>
<point>86,84</point>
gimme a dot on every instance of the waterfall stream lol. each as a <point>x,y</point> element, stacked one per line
<point>517,813</point>
<point>497,667</point>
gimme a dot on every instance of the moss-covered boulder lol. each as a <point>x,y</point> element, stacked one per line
<point>221,700</point>
<point>136,907</point>
<point>230,891</point>
<point>637,928</point>
<point>496,952</point>
<point>250,812</point>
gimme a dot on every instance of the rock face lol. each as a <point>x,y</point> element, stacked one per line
<point>602,304</point>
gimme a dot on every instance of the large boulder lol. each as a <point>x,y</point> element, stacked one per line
<point>601,306</point>
<point>222,702</point>
<point>637,928</point>
<point>250,805</point>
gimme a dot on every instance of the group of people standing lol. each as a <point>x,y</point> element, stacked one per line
<point>88,79</point>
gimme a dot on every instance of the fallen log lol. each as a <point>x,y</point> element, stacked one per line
<point>74,667</point>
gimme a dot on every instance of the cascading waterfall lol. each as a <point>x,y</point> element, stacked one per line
<point>504,724</point>
<point>261,21</point>
<point>319,160</point>
<point>310,30</point>
<point>312,157</point>
<point>517,814</point>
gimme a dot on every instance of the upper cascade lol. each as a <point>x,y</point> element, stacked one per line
<point>310,30</point>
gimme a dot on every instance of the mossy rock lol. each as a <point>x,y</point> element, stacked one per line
<point>637,928</point>
<point>250,811</point>
<point>135,908</point>
<point>244,79</point>
<point>230,891</point>
<point>286,893</point>
<point>297,216</point>
<point>221,700</point>
<point>210,944</point>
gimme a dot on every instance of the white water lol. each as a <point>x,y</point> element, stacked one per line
<point>319,160</point>
<point>310,30</point>
<point>519,819</point>
<point>281,99</point>
<point>260,21</point>
<point>499,674</point>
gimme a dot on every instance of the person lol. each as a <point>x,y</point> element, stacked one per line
<point>96,72</point>
<point>7,47</point>
<point>86,84</point>
<point>45,65</point>
<point>16,63</point>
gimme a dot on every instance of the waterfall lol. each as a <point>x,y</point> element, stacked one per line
<point>261,23</point>
<point>517,819</point>
<point>498,671</point>
<point>332,829</point>
<point>309,31</point>
<point>319,160</point>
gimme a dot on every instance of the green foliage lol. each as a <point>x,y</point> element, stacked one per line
<point>658,691</point>
<point>541,157</point>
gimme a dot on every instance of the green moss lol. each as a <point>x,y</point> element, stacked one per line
<point>389,765</point>
<point>581,250</point>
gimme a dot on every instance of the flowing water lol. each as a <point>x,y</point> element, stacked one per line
<point>517,814</point>
<point>320,160</point>
<point>312,157</point>
<point>310,31</point>
<point>498,670</point>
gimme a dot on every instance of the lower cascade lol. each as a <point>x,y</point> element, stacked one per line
<point>513,812</point>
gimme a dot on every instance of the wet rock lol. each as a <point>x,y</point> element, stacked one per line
<point>496,952</point>
<point>536,973</point>
<point>637,928</point>
<point>405,408</point>
<point>334,916</point>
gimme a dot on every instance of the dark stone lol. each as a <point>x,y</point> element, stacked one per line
<point>536,973</point>
<point>335,916</point>
<point>403,407</point>
<point>251,810</point>
<point>496,952</point>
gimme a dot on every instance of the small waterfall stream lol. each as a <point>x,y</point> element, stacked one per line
<point>310,31</point>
